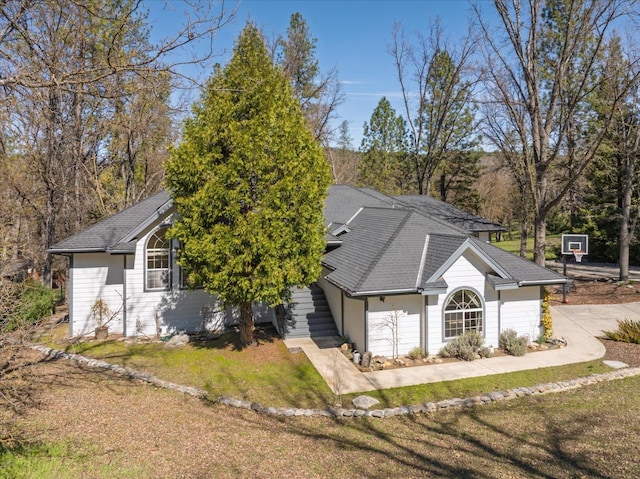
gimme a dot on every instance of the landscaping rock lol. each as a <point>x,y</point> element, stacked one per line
<point>365,402</point>
<point>177,341</point>
<point>366,359</point>
<point>615,364</point>
<point>295,350</point>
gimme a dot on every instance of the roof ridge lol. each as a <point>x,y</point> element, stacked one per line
<point>374,263</point>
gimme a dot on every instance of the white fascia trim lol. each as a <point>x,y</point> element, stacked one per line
<point>422,260</point>
<point>148,222</point>
<point>387,292</point>
<point>506,287</point>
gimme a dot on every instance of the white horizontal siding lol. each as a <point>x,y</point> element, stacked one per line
<point>467,272</point>
<point>94,276</point>
<point>394,325</point>
<point>101,275</point>
<point>521,310</point>
<point>164,312</point>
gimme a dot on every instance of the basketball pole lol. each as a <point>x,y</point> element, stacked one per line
<point>564,273</point>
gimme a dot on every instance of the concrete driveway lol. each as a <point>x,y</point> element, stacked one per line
<point>596,318</point>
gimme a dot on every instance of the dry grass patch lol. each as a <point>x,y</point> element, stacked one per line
<point>103,420</point>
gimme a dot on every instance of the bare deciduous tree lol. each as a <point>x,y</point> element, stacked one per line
<point>84,103</point>
<point>542,67</point>
<point>437,98</point>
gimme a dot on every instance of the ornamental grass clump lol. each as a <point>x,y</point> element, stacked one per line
<point>417,352</point>
<point>464,347</point>
<point>628,332</point>
<point>513,344</point>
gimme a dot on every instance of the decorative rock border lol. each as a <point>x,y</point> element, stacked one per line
<point>426,408</point>
<point>121,370</point>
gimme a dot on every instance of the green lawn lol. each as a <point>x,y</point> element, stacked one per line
<point>513,246</point>
<point>268,374</point>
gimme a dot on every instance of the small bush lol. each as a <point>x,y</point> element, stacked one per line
<point>628,331</point>
<point>25,304</point>
<point>513,344</point>
<point>463,347</point>
<point>485,352</point>
<point>417,352</point>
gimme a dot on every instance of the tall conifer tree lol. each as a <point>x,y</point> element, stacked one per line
<point>249,182</point>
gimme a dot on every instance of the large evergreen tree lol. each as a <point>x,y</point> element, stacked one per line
<point>383,165</point>
<point>249,181</point>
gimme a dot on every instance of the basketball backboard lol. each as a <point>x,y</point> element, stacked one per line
<point>574,242</point>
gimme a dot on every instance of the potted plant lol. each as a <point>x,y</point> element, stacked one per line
<point>102,315</point>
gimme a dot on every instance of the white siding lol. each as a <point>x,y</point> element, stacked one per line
<point>94,276</point>
<point>467,272</point>
<point>101,275</point>
<point>521,310</point>
<point>394,325</point>
<point>354,321</point>
<point>165,312</point>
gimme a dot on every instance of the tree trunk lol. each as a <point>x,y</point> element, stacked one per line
<point>246,324</point>
<point>540,245</point>
<point>524,226</point>
<point>625,222</point>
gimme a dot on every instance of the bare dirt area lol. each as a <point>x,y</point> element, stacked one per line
<point>117,428</point>
<point>597,291</point>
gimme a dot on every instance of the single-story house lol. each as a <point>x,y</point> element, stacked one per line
<point>398,272</point>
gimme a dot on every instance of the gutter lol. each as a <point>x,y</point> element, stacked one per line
<point>543,282</point>
<point>71,251</point>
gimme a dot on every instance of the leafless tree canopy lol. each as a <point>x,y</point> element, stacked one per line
<point>86,109</point>
<point>543,65</point>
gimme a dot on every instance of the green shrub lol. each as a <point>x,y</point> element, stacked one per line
<point>485,352</point>
<point>30,302</point>
<point>628,331</point>
<point>417,352</point>
<point>513,344</point>
<point>463,347</point>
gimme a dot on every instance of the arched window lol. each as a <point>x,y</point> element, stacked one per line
<point>157,261</point>
<point>462,313</point>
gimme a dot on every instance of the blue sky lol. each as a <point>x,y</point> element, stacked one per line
<point>352,35</point>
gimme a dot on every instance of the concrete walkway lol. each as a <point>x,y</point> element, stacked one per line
<point>578,324</point>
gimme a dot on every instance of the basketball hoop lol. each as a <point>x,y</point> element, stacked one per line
<point>578,254</point>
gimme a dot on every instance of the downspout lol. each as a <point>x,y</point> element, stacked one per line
<point>342,312</point>
<point>124,295</point>
<point>70,295</point>
<point>366,329</point>
<point>425,334</point>
<point>499,313</point>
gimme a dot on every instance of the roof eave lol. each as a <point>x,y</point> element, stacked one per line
<point>166,206</point>
<point>544,282</point>
<point>384,292</point>
<point>74,250</point>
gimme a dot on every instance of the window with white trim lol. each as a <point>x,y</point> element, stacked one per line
<point>462,312</point>
<point>157,261</point>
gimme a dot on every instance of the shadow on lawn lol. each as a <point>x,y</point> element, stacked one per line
<point>530,437</point>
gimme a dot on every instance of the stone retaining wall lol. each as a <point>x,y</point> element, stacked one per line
<point>428,407</point>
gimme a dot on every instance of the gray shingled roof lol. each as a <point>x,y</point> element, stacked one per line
<point>447,212</point>
<point>389,250</point>
<point>112,233</point>
<point>386,247</point>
